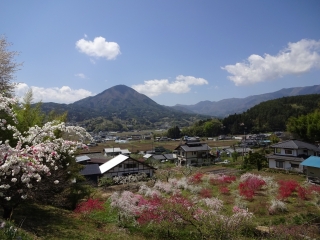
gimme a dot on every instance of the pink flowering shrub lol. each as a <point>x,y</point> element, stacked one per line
<point>222,179</point>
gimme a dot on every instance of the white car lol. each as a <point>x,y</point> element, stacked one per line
<point>225,162</point>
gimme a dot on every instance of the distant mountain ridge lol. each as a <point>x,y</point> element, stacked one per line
<point>229,106</point>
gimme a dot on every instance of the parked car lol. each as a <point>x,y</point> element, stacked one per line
<point>92,144</point>
<point>225,162</point>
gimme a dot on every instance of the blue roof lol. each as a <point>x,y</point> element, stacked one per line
<point>312,161</point>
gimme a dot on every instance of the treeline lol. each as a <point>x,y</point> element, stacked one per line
<point>269,116</point>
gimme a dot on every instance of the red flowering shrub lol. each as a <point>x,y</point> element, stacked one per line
<point>303,193</point>
<point>196,178</point>
<point>205,193</point>
<point>314,188</point>
<point>228,179</point>
<point>249,187</point>
<point>287,187</point>
<point>89,206</point>
<point>224,190</point>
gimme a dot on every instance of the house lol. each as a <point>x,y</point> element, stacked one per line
<point>288,155</point>
<point>241,151</point>
<point>312,169</point>
<point>193,153</point>
<point>122,165</point>
<point>116,151</point>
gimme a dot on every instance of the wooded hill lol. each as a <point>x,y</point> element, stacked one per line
<point>271,115</point>
<point>122,108</point>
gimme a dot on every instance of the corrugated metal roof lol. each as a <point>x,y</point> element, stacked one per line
<point>147,156</point>
<point>82,158</point>
<point>112,163</point>
<point>90,169</point>
<point>125,151</point>
<point>296,144</point>
<point>312,161</point>
<point>110,150</point>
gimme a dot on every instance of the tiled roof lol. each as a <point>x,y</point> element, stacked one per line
<point>170,156</point>
<point>284,158</point>
<point>90,169</point>
<point>159,157</point>
<point>202,147</point>
<point>296,144</point>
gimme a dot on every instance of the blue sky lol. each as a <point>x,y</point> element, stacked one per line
<point>175,52</point>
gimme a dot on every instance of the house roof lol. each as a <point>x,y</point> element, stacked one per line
<point>170,156</point>
<point>195,147</point>
<point>90,169</point>
<point>296,144</point>
<point>110,150</point>
<point>125,151</point>
<point>82,158</point>
<point>148,155</point>
<point>97,160</point>
<point>112,163</point>
<point>284,158</point>
<point>117,160</point>
<point>312,161</point>
<point>159,157</point>
<point>238,150</point>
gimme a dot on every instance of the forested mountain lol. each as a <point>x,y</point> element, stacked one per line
<point>119,107</point>
<point>229,106</point>
<point>271,115</point>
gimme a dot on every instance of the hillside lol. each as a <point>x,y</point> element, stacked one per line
<point>119,107</point>
<point>229,106</point>
<point>271,115</point>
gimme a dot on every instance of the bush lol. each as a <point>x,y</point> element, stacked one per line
<point>287,187</point>
<point>89,206</point>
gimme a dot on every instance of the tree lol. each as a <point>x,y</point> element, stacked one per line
<point>255,160</point>
<point>8,67</point>
<point>174,132</point>
<point>28,157</point>
<point>306,127</point>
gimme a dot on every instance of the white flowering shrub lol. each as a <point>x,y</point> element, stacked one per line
<point>28,156</point>
<point>277,206</point>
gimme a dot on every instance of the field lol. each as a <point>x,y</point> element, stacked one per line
<point>299,216</point>
<point>144,145</point>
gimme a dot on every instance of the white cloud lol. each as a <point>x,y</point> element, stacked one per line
<point>297,58</point>
<point>58,95</point>
<point>180,85</point>
<point>85,35</point>
<point>99,48</point>
<point>81,75</point>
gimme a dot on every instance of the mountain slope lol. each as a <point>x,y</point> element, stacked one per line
<point>125,106</point>
<point>229,106</point>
